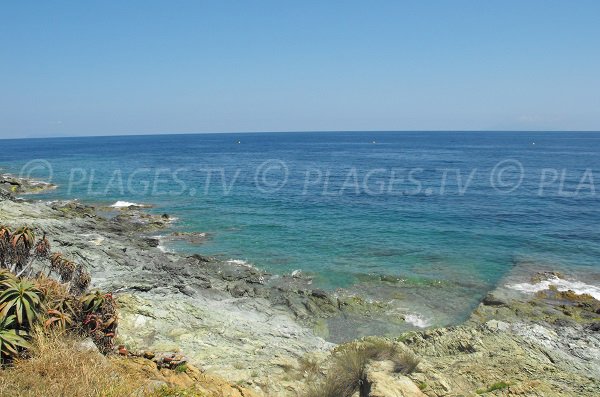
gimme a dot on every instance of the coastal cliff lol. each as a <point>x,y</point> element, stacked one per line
<point>267,333</point>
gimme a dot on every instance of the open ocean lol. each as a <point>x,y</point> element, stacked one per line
<point>444,215</point>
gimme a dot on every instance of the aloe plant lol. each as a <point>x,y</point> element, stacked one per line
<point>5,250</point>
<point>66,270</point>
<point>6,275</point>
<point>11,340</point>
<point>81,281</point>
<point>55,260</point>
<point>21,298</point>
<point>57,318</point>
<point>40,251</point>
<point>93,301</point>
<point>42,247</point>
<point>21,243</point>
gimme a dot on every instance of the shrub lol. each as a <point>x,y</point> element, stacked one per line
<point>347,372</point>
<point>58,305</point>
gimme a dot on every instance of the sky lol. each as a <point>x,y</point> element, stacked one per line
<point>70,68</point>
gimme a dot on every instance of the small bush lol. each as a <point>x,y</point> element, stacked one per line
<point>181,368</point>
<point>405,363</point>
<point>494,387</point>
<point>309,366</point>
<point>348,367</point>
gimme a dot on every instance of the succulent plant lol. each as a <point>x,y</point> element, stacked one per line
<point>11,339</point>
<point>21,298</point>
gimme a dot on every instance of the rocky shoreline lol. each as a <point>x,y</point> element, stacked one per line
<point>255,328</point>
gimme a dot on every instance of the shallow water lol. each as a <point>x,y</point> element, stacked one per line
<point>433,211</point>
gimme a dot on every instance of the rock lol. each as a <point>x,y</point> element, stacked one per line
<point>594,327</point>
<point>381,381</point>
<point>319,293</point>
<point>152,242</point>
<point>87,345</point>
<point>496,325</point>
<point>201,258</point>
<point>492,300</point>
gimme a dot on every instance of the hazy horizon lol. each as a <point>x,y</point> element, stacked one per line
<point>303,132</point>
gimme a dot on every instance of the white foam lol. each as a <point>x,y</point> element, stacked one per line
<point>161,247</point>
<point>578,287</point>
<point>238,262</point>
<point>122,204</point>
<point>297,273</point>
<point>417,320</point>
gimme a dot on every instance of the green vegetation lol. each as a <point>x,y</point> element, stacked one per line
<point>181,368</point>
<point>169,391</point>
<point>494,387</point>
<point>28,300</point>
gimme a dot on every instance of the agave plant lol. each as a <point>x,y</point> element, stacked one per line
<point>11,340</point>
<point>21,298</point>
<point>5,249</point>
<point>21,243</point>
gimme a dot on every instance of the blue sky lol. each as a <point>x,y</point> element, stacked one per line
<point>116,67</point>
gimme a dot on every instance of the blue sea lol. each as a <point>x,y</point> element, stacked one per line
<point>437,217</point>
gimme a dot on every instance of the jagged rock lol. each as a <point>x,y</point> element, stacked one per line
<point>152,242</point>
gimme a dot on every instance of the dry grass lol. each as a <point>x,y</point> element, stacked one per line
<point>309,366</point>
<point>348,367</point>
<point>56,368</point>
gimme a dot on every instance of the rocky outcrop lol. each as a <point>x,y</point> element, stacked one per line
<point>184,377</point>
<point>381,381</point>
<point>251,327</point>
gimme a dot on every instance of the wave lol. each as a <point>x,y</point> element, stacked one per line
<point>238,262</point>
<point>160,245</point>
<point>560,284</point>
<point>123,204</point>
<point>417,320</point>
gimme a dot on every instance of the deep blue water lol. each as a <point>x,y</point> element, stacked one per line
<point>326,220</point>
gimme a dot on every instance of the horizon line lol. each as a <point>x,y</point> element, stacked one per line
<point>141,134</point>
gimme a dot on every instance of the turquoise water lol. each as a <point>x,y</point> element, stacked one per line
<point>352,208</point>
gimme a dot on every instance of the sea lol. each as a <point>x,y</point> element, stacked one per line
<point>434,220</point>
